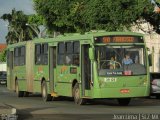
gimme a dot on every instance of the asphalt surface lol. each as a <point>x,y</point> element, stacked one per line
<point>33,108</point>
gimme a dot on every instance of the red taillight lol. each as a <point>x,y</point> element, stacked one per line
<point>124,90</point>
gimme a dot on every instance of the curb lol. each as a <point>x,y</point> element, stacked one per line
<point>8,113</point>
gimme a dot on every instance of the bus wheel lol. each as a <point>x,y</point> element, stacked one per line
<point>19,93</point>
<point>158,96</point>
<point>45,95</point>
<point>124,101</point>
<point>76,95</point>
<point>26,94</point>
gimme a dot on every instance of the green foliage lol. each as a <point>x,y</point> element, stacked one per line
<point>17,28</point>
<point>152,17</point>
<point>85,15</point>
<point>3,56</point>
<point>110,15</point>
<point>35,19</point>
<point>157,1</point>
<point>55,14</point>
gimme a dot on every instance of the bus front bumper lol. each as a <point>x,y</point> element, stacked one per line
<point>121,92</point>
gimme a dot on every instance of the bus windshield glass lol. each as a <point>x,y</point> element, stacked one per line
<point>121,60</point>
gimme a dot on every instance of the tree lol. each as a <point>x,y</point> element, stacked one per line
<point>85,15</point>
<point>153,17</point>
<point>17,28</point>
<point>3,56</point>
<point>35,19</point>
<point>56,14</point>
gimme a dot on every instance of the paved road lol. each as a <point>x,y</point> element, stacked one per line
<point>33,107</point>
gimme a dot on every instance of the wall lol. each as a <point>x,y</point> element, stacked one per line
<point>3,66</point>
<point>153,43</point>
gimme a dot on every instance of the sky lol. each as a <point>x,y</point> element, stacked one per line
<point>6,6</point>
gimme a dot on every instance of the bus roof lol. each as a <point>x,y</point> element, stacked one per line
<point>74,36</point>
<point>87,35</point>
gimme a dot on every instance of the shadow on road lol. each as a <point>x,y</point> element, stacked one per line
<point>133,102</point>
<point>152,101</point>
<point>26,114</point>
<point>148,101</point>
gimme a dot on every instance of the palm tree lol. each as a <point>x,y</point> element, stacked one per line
<point>17,29</point>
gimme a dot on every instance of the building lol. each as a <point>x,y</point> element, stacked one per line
<point>153,43</point>
<point>152,40</point>
<point>2,47</point>
<point>2,63</point>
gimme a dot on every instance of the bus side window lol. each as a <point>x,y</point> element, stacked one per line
<point>44,54</point>
<point>22,56</point>
<point>37,54</point>
<point>69,53</point>
<point>16,61</point>
<point>76,49</point>
<point>61,53</point>
<point>19,56</point>
<point>76,60</point>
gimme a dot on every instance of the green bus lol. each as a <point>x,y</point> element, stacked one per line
<point>94,65</point>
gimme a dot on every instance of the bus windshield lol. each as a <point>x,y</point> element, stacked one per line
<point>121,60</point>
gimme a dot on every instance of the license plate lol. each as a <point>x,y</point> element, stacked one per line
<point>3,82</point>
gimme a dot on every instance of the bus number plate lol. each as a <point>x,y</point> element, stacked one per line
<point>110,79</point>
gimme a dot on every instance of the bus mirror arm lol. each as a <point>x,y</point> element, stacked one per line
<point>150,59</point>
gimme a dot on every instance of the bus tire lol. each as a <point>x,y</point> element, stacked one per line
<point>45,95</point>
<point>158,96</point>
<point>124,101</point>
<point>19,93</point>
<point>76,94</point>
<point>26,94</point>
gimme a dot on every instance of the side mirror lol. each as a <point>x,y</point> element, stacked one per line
<point>91,53</point>
<point>150,59</point>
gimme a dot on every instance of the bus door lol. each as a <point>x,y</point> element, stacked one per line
<point>52,67</point>
<point>86,70</point>
<point>10,80</point>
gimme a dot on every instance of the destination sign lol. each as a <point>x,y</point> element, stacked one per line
<point>119,39</point>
